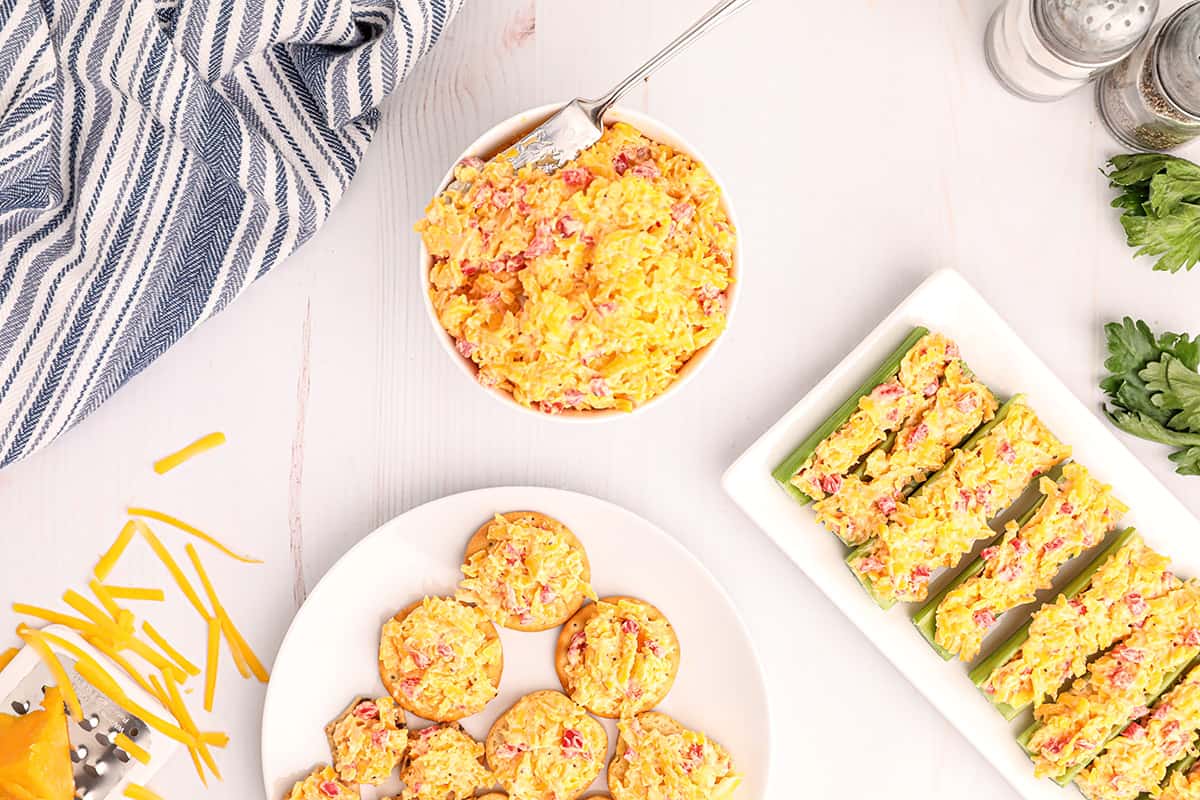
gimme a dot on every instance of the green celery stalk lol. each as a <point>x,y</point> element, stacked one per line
<point>1168,681</point>
<point>1179,767</point>
<point>971,441</point>
<point>1009,647</point>
<point>926,617</point>
<point>784,472</point>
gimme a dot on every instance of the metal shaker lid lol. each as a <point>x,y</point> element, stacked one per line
<point>1178,58</point>
<point>1093,31</point>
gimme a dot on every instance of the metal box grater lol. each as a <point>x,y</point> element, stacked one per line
<point>102,770</point>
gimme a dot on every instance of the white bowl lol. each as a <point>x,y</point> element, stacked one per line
<point>499,138</point>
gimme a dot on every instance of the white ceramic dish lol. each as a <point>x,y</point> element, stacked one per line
<point>948,304</point>
<point>496,140</point>
<point>329,653</point>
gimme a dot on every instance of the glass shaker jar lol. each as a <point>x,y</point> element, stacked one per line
<point>1152,100</point>
<point>1045,49</point>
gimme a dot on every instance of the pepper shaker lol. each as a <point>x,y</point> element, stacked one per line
<point>1045,49</point>
<point>1151,101</point>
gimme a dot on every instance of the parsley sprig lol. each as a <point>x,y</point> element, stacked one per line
<point>1154,388</point>
<point>1160,196</point>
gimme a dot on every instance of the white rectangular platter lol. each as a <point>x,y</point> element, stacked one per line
<point>947,303</point>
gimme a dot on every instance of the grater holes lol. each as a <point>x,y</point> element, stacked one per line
<point>21,707</point>
<point>90,722</point>
<point>79,753</point>
<point>121,755</point>
<point>95,770</point>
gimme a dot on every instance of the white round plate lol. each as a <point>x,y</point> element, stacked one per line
<point>329,654</point>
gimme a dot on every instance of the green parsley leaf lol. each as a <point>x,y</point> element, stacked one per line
<point>1174,237</point>
<point>1187,462</point>
<point>1176,389</point>
<point>1160,200</point>
<point>1144,427</point>
<point>1154,387</point>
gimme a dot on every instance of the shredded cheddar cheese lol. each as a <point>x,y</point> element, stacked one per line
<point>132,748</point>
<point>244,658</point>
<point>546,746</point>
<point>169,562</point>
<point>1065,633</point>
<point>1079,721</point>
<point>7,656</point>
<point>368,741</point>
<point>529,574</point>
<point>201,445</point>
<point>888,407</point>
<point>623,660</point>
<point>939,524</point>
<point>136,792</point>
<point>213,656</point>
<point>444,763</point>
<point>589,288</point>
<point>1075,514</point>
<point>135,593</point>
<point>184,664</point>
<point>439,658</point>
<point>1182,785</point>
<point>37,640</point>
<point>109,560</point>
<point>190,530</point>
<point>862,501</point>
<point>1137,761</point>
<point>659,759</point>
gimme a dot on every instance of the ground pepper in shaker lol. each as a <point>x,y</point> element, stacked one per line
<point>1045,49</point>
<point>1152,100</point>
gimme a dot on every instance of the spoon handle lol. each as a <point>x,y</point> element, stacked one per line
<point>715,16</point>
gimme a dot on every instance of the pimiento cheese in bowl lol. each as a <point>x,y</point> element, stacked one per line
<point>589,289</point>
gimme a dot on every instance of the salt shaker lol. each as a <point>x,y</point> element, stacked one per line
<point>1151,101</point>
<point>1045,49</point>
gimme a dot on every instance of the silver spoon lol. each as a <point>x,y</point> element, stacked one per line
<point>580,123</point>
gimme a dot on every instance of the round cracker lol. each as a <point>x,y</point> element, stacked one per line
<point>654,720</point>
<point>492,742</point>
<point>478,542</point>
<point>494,671</point>
<point>401,722</point>
<point>576,624</point>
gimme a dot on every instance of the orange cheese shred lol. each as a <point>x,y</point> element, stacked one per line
<point>203,444</point>
<point>56,618</point>
<point>191,530</point>
<point>180,710</point>
<point>109,560</point>
<point>215,738</point>
<point>136,792</point>
<point>135,593</point>
<point>181,580</point>
<point>102,595</point>
<point>104,682</point>
<point>176,656</point>
<point>7,656</point>
<point>243,656</point>
<point>210,667</point>
<point>129,746</point>
<point>37,640</point>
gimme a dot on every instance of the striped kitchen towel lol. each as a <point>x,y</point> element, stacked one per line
<point>156,156</point>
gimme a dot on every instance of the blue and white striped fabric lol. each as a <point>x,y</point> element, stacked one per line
<point>156,156</point>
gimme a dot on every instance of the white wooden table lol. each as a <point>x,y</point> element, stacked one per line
<point>865,145</point>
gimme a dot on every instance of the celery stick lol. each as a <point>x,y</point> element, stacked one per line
<point>1009,647</point>
<point>784,472</point>
<point>1168,681</point>
<point>984,429</point>
<point>926,617</point>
